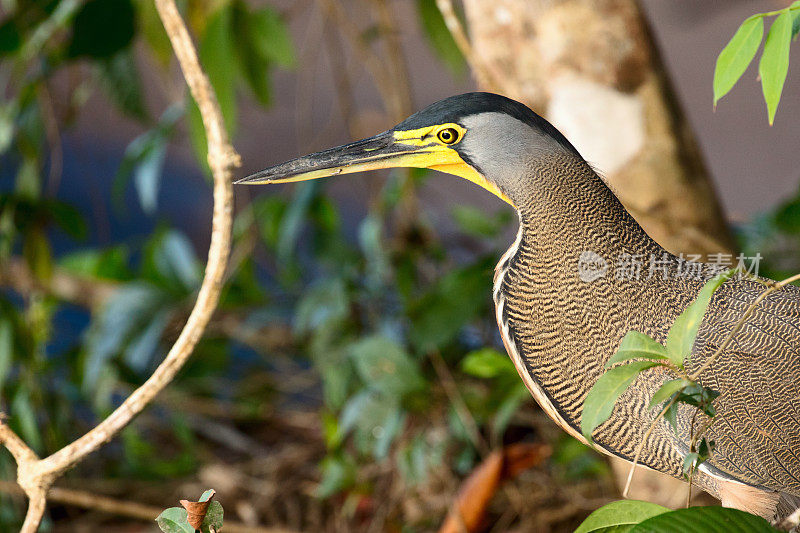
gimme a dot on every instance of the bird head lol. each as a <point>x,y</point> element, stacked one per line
<point>485,138</point>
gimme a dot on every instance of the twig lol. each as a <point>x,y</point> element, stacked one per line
<point>36,476</point>
<point>640,446</point>
<point>373,63</point>
<point>86,292</point>
<point>401,95</point>
<point>484,74</point>
<point>740,323</point>
<point>450,388</point>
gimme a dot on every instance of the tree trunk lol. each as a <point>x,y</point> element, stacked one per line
<point>591,68</point>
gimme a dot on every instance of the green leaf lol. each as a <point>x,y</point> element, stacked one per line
<point>10,39</point>
<point>737,55</point>
<point>700,397</point>
<point>142,348</point>
<point>8,114</point>
<point>439,36</point>
<point>487,363</point>
<point>384,366</point>
<point>796,19</point>
<point>67,218</point>
<point>174,520</point>
<point>681,336</point>
<point>690,462</point>
<point>666,391</point>
<point>153,31</point>
<point>144,159</point>
<point>269,37</point>
<point>517,395</point>
<point>338,474</point>
<point>671,416</point>
<point>370,240</point>
<point>600,401</point>
<point>774,64</point>
<point>147,176</point>
<point>23,416</point>
<point>376,419</point>
<point>254,65</point>
<point>214,517</point>
<point>635,345</point>
<point>477,223</point>
<point>102,28</point>
<point>453,301</point>
<point>37,253</point>
<point>218,57</point>
<point>128,309</point>
<point>322,304</point>
<point>704,520</point>
<point>294,219</point>
<point>619,516</point>
<point>120,79</point>
<point>107,264</point>
<point>787,216</point>
<point>6,349</point>
<point>176,261</point>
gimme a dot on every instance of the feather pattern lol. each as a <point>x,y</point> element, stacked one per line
<point>560,330</point>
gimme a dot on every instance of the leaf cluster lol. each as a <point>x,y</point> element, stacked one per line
<point>737,55</point>
<point>639,352</point>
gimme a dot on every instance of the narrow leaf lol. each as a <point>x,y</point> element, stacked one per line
<point>690,462</point>
<point>774,64</point>
<point>737,55</point>
<point>6,349</point>
<point>683,332</point>
<point>667,390</point>
<point>600,401</point>
<point>487,363</point>
<point>637,345</point>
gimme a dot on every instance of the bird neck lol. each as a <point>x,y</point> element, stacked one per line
<point>566,209</point>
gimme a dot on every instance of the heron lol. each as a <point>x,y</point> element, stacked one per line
<point>562,311</point>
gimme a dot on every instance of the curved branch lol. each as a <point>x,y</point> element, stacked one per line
<point>36,476</point>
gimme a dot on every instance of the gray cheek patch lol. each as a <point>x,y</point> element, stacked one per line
<point>504,147</point>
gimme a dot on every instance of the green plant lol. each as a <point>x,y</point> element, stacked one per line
<point>204,515</point>
<point>774,64</point>
<point>637,353</point>
<point>634,516</point>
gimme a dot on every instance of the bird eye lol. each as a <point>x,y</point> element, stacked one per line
<point>448,135</point>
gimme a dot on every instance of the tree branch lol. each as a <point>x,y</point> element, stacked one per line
<point>35,476</point>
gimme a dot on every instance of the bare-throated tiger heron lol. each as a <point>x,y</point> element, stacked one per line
<point>560,325</point>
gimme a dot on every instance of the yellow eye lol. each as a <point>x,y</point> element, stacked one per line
<point>448,135</point>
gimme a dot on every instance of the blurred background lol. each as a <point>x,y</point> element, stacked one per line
<point>353,375</point>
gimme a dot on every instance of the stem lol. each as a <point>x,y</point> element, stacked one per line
<point>641,445</point>
<point>740,323</point>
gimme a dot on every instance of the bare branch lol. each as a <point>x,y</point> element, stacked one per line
<point>36,476</point>
<point>486,76</point>
<point>87,292</point>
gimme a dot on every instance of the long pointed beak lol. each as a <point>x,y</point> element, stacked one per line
<point>380,151</point>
